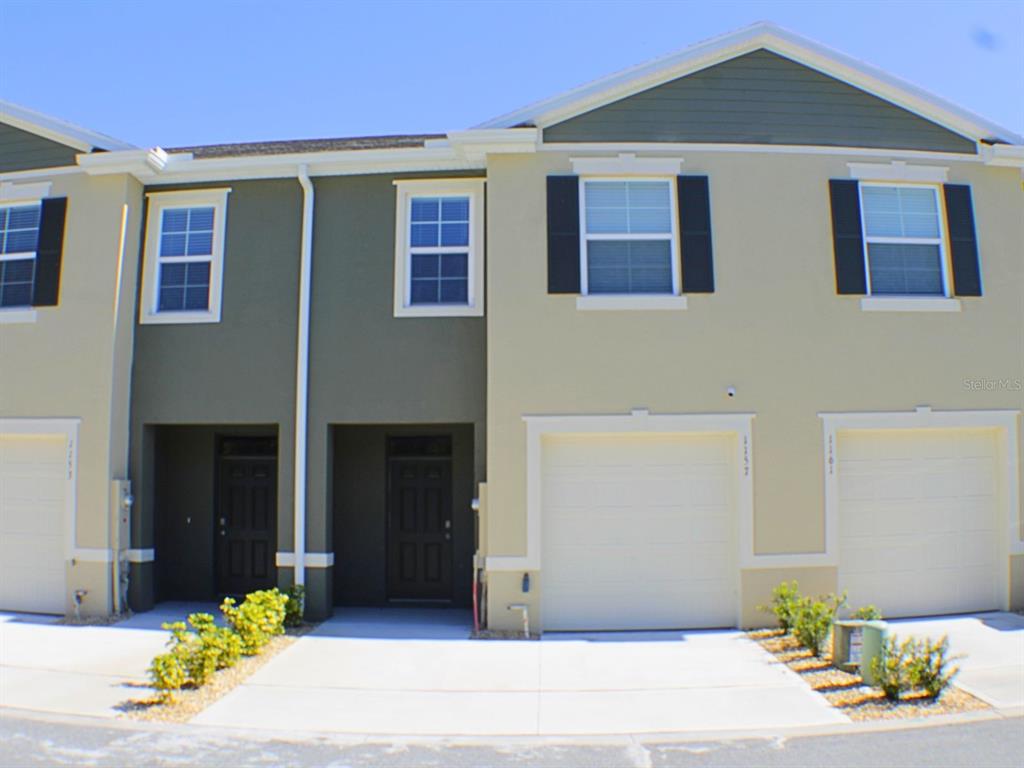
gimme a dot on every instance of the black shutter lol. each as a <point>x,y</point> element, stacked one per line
<point>48,252</point>
<point>563,234</point>
<point>698,266</point>
<point>846,237</point>
<point>963,244</point>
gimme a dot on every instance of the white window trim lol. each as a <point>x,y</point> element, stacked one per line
<point>635,300</point>
<point>158,202</point>
<point>909,304</point>
<point>15,196</point>
<point>17,315</point>
<point>898,170</point>
<point>940,241</point>
<point>405,190</point>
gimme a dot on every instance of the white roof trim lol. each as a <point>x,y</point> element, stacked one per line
<point>57,130</point>
<point>771,37</point>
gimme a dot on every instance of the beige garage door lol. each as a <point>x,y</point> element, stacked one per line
<point>918,520</point>
<point>33,488</point>
<point>638,532</point>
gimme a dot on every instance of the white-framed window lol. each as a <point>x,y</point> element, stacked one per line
<point>184,256</point>
<point>439,249</point>
<point>629,243</point>
<point>904,240</point>
<point>19,239</point>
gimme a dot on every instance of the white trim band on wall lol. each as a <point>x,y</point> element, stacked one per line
<point>312,559</point>
<point>140,555</point>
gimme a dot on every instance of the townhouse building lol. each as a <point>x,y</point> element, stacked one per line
<point>622,359</point>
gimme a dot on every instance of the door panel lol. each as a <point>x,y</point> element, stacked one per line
<point>419,529</point>
<point>246,524</point>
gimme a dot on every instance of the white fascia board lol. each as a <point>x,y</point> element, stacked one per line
<point>58,130</point>
<point>1006,155</point>
<point>155,167</point>
<point>477,144</point>
<point>772,38</point>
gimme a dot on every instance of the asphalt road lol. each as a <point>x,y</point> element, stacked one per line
<point>52,742</point>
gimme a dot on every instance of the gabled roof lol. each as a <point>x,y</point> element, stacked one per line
<point>55,129</point>
<point>763,35</point>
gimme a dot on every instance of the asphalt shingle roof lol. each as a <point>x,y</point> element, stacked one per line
<point>253,148</point>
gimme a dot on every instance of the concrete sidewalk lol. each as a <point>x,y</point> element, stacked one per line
<point>82,670</point>
<point>371,673</point>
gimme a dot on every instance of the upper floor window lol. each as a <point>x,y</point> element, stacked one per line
<point>184,256</point>
<point>629,236</point>
<point>19,238</point>
<point>439,248</point>
<point>903,240</point>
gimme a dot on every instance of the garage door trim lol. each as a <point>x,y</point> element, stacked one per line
<point>639,421</point>
<point>68,429</point>
<point>1005,423</point>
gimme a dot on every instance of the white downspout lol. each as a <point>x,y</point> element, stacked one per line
<point>302,375</point>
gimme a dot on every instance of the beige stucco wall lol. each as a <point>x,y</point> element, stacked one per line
<point>775,329</point>
<point>74,360</point>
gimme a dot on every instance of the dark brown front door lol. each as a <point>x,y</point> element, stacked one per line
<point>420,529</point>
<point>246,524</point>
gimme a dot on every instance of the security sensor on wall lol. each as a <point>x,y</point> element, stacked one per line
<point>730,391</point>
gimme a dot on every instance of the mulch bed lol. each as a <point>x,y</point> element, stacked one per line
<point>191,701</point>
<point>847,692</point>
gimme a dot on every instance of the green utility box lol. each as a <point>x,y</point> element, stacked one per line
<point>855,643</point>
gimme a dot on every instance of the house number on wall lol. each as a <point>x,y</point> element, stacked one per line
<point>831,457</point>
<point>746,457</point>
<point>71,457</point>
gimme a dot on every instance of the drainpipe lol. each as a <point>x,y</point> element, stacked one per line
<point>117,546</point>
<point>302,375</point>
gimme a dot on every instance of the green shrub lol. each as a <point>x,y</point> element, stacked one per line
<point>294,607</point>
<point>928,666</point>
<point>167,674</point>
<point>258,619</point>
<point>785,598</point>
<point>890,668</point>
<point>812,620</point>
<point>220,644</point>
<point>867,613</point>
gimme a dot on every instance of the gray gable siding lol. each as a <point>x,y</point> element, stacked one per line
<point>759,98</point>
<point>24,151</point>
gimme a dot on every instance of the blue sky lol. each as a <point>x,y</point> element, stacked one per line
<point>180,72</point>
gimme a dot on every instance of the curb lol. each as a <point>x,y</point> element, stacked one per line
<point>610,739</point>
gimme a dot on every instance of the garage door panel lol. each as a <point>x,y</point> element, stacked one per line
<point>918,531</point>
<point>638,532</point>
<point>33,488</point>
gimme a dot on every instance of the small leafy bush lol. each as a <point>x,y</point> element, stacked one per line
<point>785,599</point>
<point>258,619</point>
<point>928,666</point>
<point>294,607</point>
<point>812,620</point>
<point>890,668</point>
<point>167,674</point>
<point>867,613</point>
<point>220,644</point>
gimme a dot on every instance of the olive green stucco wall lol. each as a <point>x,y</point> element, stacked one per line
<point>23,151</point>
<point>365,365</point>
<point>240,371</point>
<point>759,98</point>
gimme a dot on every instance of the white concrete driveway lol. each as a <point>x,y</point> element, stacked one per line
<point>82,670</point>
<point>417,673</point>
<point>993,648</point>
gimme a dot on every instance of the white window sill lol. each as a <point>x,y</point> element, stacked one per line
<point>439,310</point>
<point>909,304</point>
<point>17,315</point>
<point>622,302</point>
<point>178,318</point>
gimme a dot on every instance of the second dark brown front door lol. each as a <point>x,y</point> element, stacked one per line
<point>246,524</point>
<point>419,529</point>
